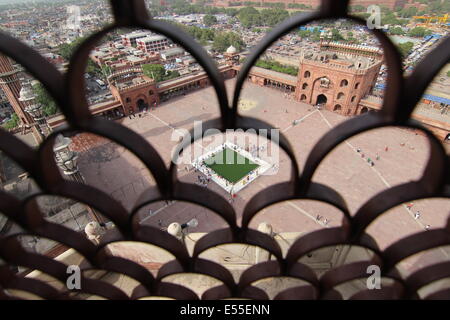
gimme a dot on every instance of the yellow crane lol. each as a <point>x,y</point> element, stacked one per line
<point>428,19</point>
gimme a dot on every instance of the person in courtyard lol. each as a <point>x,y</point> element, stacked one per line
<point>417,215</point>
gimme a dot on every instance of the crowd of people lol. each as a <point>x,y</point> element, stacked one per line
<point>369,160</point>
<point>203,181</point>
<point>202,165</point>
<point>325,220</point>
<point>254,150</point>
<point>409,206</point>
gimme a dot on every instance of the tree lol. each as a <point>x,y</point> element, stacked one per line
<point>226,39</point>
<point>158,73</point>
<point>154,71</point>
<point>202,35</point>
<point>92,67</point>
<point>45,100</point>
<point>13,123</point>
<point>336,35</point>
<point>351,38</point>
<point>209,20</point>
<point>396,31</point>
<point>171,75</point>
<point>405,48</point>
<point>304,33</point>
<point>419,32</point>
<point>448,73</point>
<point>276,66</point>
<point>271,17</point>
<point>408,12</point>
<point>315,37</point>
<point>389,19</point>
<point>106,70</point>
<point>66,50</point>
<point>232,12</point>
<point>249,17</point>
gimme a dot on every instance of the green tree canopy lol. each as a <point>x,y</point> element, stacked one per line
<point>158,73</point>
<point>209,20</point>
<point>336,35</point>
<point>249,17</point>
<point>405,48</point>
<point>271,17</point>
<point>408,12</point>
<point>390,19</point>
<point>154,71</point>
<point>224,40</point>
<point>13,123</point>
<point>396,31</point>
<point>45,100</point>
<point>419,32</point>
<point>304,33</point>
<point>232,12</point>
<point>66,50</point>
<point>278,67</point>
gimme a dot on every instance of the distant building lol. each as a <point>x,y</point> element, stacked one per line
<point>152,44</point>
<point>172,54</point>
<point>134,90</point>
<point>119,57</point>
<point>338,76</point>
<point>130,39</point>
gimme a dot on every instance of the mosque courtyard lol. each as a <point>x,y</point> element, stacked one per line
<point>117,172</point>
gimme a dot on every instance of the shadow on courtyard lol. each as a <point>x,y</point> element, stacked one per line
<point>101,154</point>
<point>175,125</point>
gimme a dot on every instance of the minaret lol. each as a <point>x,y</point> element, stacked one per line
<point>28,100</point>
<point>11,86</point>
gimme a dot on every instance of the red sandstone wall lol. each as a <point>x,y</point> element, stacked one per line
<point>313,89</point>
<point>350,92</point>
<point>135,95</point>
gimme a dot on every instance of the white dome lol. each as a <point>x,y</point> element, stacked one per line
<point>231,50</point>
<point>26,93</point>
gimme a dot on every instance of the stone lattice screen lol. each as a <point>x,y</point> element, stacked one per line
<point>401,97</point>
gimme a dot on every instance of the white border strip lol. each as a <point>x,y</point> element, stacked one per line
<point>226,185</point>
